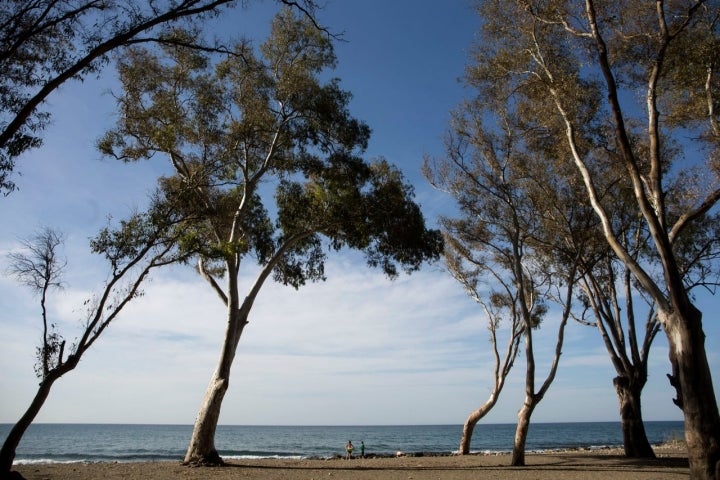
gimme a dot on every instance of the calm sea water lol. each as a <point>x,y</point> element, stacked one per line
<point>107,443</point>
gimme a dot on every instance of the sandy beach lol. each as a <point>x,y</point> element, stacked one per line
<point>586,464</point>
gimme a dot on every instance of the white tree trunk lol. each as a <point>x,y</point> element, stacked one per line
<point>473,419</point>
<point>521,431</point>
<point>201,450</point>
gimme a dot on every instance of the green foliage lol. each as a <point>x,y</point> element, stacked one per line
<point>361,206</point>
<point>123,245</point>
<point>266,157</point>
<point>44,43</point>
<point>49,354</point>
<point>644,125</point>
<point>156,234</point>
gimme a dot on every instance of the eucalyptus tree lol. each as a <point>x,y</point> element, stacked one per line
<point>618,305</point>
<point>265,155</point>
<point>470,258</point>
<point>464,259</point>
<point>611,294</point>
<point>497,310</point>
<point>606,288</point>
<point>498,246</point>
<point>624,314</point>
<point>608,291</point>
<point>133,249</point>
<point>45,43</point>
<point>636,78</point>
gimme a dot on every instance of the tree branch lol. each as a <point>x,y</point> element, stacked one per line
<point>95,53</point>
<point>686,218</point>
<point>211,280</point>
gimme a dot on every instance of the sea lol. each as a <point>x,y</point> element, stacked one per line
<point>61,443</point>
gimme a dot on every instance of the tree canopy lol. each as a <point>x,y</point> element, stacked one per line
<point>44,43</point>
<point>229,127</point>
<point>620,87</point>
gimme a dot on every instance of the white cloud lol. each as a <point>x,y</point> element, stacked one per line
<point>357,348</point>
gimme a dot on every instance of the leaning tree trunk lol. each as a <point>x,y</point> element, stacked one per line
<point>635,439</point>
<point>695,394</point>
<point>201,450</point>
<point>7,453</point>
<point>521,432</point>
<point>472,420</point>
<point>467,433</point>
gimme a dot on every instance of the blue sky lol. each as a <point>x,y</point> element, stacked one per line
<point>356,349</point>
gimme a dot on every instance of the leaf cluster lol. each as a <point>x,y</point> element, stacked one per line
<point>643,125</point>
<point>44,43</point>
<point>266,157</point>
<point>156,230</point>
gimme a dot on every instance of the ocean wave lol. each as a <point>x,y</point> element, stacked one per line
<point>85,458</point>
<point>263,457</point>
<point>485,452</point>
<point>34,461</point>
<point>148,458</point>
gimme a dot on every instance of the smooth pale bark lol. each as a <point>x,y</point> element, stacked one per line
<point>201,450</point>
<point>533,398</point>
<point>473,419</point>
<point>682,323</point>
<point>521,432</point>
<point>500,376</point>
<point>529,404</point>
<point>681,320</point>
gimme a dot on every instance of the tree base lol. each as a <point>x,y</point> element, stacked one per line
<point>213,459</point>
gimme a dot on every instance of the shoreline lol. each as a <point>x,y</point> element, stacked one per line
<point>614,450</point>
<point>675,447</point>
<point>670,464</point>
<point>152,443</point>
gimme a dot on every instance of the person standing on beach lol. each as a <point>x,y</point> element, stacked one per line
<point>362,449</point>
<point>349,449</point>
